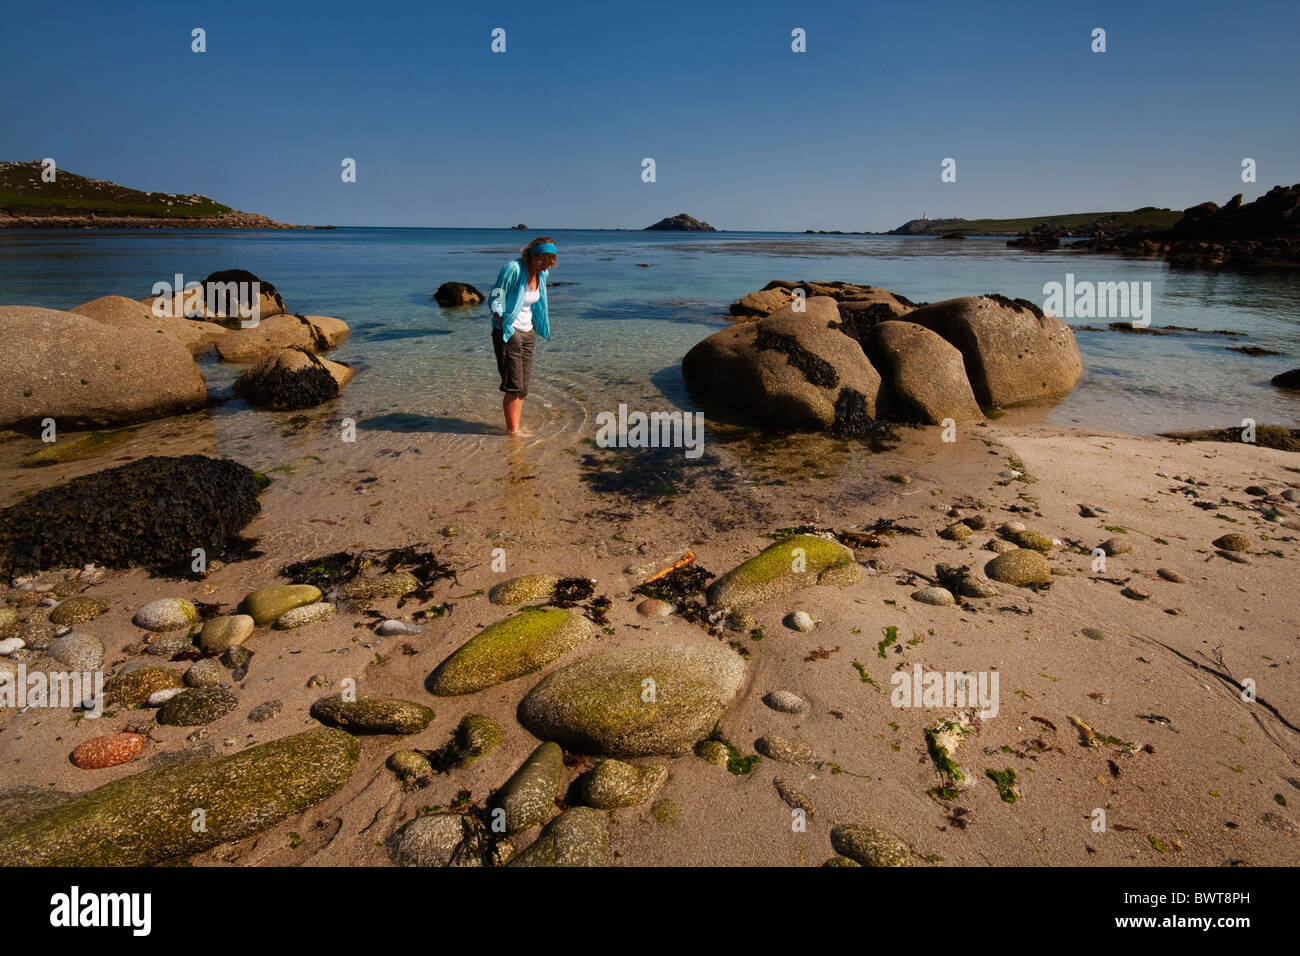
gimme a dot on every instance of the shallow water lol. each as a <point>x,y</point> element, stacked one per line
<point>620,328</point>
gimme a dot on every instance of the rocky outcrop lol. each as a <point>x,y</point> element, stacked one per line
<point>150,512</point>
<point>313,333</point>
<point>120,312</point>
<point>925,376</point>
<point>454,294</point>
<point>789,370</point>
<point>1014,353</point>
<point>84,373</point>
<point>292,378</point>
<point>680,223</point>
<point>1289,379</point>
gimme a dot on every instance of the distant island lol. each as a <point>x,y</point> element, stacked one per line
<point>71,201</point>
<point>1077,224</point>
<point>680,223</point>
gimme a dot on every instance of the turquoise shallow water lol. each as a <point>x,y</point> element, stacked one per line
<point>620,328</point>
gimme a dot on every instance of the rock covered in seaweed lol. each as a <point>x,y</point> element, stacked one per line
<point>292,378</point>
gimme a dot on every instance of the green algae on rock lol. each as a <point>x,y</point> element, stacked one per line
<point>266,604</point>
<point>148,818</point>
<point>577,837</point>
<point>1020,567</point>
<point>636,702</point>
<point>789,565</point>
<point>75,449</point>
<point>134,688</point>
<point>409,764</point>
<point>372,714</point>
<point>396,584</point>
<point>529,587</point>
<point>77,610</point>
<point>197,706</point>
<point>869,846</point>
<point>520,644</point>
<point>613,783</point>
<point>528,797</point>
<point>475,736</point>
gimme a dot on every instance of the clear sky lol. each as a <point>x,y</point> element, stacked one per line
<point>745,133</point>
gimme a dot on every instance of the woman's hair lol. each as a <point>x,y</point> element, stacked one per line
<point>545,259</point>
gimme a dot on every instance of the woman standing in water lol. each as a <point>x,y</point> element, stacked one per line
<point>518,308</point>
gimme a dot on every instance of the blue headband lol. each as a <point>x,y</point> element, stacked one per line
<point>542,249</point>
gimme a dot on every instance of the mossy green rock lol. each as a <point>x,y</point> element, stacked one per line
<point>147,818</point>
<point>529,587</point>
<point>193,708</point>
<point>1233,542</point>
<point>133,688</point>
<point>220,633</point>
<point>77,610</point>
<point>528,797</point>
<point>266,604</point>
<point>1020,566</point>
<point>75,449</point>
<point>636,702</point>
<point>841,861</point>
<point>409,764</point>
<point>791,564</point>
<point>614,784</point>
<point>519,645</point>
<point>1033,540</point>
<point>869,846</point>
<point>372,714</point>
<point>476,736</point>
<point>577,837</point>
<point>167,614</point>
<point>395,584</point>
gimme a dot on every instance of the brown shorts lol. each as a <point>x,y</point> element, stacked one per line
<point>514,360</point>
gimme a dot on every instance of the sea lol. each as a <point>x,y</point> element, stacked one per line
<point>625,306</point>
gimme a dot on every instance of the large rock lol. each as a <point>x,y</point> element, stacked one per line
<point>224,295</point>
<point>270,335</point>
<point>510,648</point>
<point>793,563</point>
<point>148,818</point>
<point>452,294</point>
<point>636,702</point>
<point>789,370</point>
<point>292,378</point>
<point>924,373</point>
<point>87,374</point>
<point>122,313</point>
<point>154,511</point>
<point>1289,379</point>
<point>1014,353</point>
<point>528,797</point>
<point>577,837</point>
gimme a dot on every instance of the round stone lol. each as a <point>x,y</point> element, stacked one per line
<point>167,614</point>
<point>653,607</point>
<point>77,610</point>
<point>939,597</point>
<point>1233,542</point>
<point>302,616</point>
<point>1019,567</point>
<point>220,633</point>
<point>800,621</point>
<point>107,751</point>
<point>786,701</point>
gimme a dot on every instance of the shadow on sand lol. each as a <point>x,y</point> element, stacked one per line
<point>412,422</point>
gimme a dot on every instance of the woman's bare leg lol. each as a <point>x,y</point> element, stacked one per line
<point>513,407</point>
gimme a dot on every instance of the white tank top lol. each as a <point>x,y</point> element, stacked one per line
<point>524,317</point>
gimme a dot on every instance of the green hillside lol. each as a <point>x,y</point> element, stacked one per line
<point>23,193</point>
<point>1146,218</point>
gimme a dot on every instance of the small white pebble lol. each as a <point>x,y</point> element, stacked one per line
<point>160,697</point>
<point>11,644</point>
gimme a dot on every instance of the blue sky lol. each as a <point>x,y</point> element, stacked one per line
<point>745,133</point>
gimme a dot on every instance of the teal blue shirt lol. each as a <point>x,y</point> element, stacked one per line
<point>508,295</point>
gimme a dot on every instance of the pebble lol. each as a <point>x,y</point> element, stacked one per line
<point>653,607</point>
<point>266,604</point>
<point>1034,540</point>
<point>793,797</point>
<point>1009,474</point>
<point>80,652</point>
<point>1116,545</point>
<point>205,673</point>
<point>237,657</point>
<point>394,627</point>
<point>1259,491</point>
<point>302,616</point>
<point>224,632</point>
<point>785,749</point>
<point>169,645</point>
<point>614,784</point>
<point>1134,593</point>
<point>1170,575</point>
<point>11,644</point>
<point>91,574</point>
<point>869,846</point>
<point>410,764</point>
<point>1291,494</point>
<point>999,546</point>
<point>1019,567</point>
<point>264,712</point>
<point>1233,556</point>
<point>1094,633</point>
<point>132,688</point>
<point>939,597</point>
<point>713,751</point>
<point>107,751</point>
<point>800,621</point>
<point>957,531</point>
<point>160,697</point>
<point>200,705</point>
<point>786,701</point>
<point>166,614</point>
<point>1012,527</point>
<point>77,610</point>
<point>1233,542</point>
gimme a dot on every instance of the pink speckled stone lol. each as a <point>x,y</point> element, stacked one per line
<point>107,751</point>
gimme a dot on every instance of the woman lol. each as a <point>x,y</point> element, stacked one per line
<point>518,305</point>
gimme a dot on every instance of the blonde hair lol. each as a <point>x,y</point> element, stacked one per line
<point>545,259</point>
